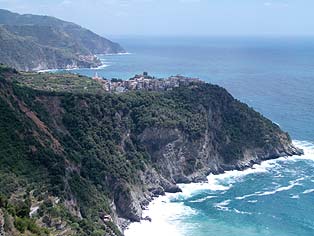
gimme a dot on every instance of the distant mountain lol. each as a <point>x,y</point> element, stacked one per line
<point>32,42</point>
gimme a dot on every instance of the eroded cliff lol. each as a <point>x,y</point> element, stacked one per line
<point>91,161</point>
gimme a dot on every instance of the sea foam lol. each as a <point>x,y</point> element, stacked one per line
<point>115,54</point>
<point>167,215</point>
<point>103,66</point>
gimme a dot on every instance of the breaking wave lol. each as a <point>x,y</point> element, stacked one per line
<point>168,215</point>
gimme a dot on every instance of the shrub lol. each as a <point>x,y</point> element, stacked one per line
<point>21,224</point>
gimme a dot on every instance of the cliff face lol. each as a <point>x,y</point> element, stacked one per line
<point>30,42</point>
<point>96,154</point>
<point>183,161</point>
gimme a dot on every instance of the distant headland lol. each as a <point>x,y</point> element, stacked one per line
<point>32,43</point>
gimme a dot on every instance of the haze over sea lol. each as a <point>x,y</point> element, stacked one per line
<point>275,75</point>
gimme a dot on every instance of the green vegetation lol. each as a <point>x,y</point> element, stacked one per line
<point>20,213</point>
<point>71,149</point>
<point>52,82</point>
<point>241,127</point>
<point>30,42</point>
<point>6,69</point>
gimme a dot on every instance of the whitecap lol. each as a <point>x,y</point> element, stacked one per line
<point>100,67</point>
<point>248,195</point>
<point>252,201</point>
<point>242,212</point>
<point>284,188</point>
<point>222,206</point>
<point>308,191</point>
<point>115,54</point>
<point>203,199</point>
<point>278,176</point>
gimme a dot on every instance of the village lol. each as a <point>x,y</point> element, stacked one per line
<point>145,82</point>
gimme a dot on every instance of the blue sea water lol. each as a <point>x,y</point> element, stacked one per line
<point>273,75</point>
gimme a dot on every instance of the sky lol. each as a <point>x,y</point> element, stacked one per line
<point>178,17</point>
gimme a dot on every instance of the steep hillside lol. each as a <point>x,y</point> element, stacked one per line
<point>83,161</point>
<point>47,43</point>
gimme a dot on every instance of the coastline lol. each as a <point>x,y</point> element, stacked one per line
<point>102,66</point>
<point>116,54</point>
<point>165,214</point>
<point>245,165</point>
<point>75,68</point>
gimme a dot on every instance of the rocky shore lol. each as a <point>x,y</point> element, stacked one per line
<point>172,151</point>
<point>106,156</point>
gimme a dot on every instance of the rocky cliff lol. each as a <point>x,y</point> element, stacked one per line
<point>91,161</point>
<point>31,42</point>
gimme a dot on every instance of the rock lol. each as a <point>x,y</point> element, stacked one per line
<point>182,179</point>
<point>127,203</point>
<point>47,221</point>
<point>59,226</point>
<point>157,191</point>
<point>199,179</point>
<point>2,233</point>
<point>173,189</point>
<point>147,218</point>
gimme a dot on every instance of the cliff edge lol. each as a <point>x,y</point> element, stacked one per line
<point>79,160</point>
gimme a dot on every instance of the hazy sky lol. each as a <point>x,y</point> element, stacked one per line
<point>178,17</point>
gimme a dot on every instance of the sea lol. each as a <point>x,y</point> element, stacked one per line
<point>275,76</point>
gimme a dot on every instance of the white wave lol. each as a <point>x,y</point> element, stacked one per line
<point>100,67</point>
<point>115,54</point>
<point>242,212</point>
<point>308,191</point>
<point>47,71</point>
<point>291,185</point>
<point>222,206</point>
<point>281,189</point>
<point>62,69</point>
<point>189,190</point>
<point>295,196</point>
<point>225,181</point>
<point>252,201</point>
<point>278,176</point>
<point>308,148</point>
<point>203,199</point>
<point>165,216</point>
<point>248,195</point>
